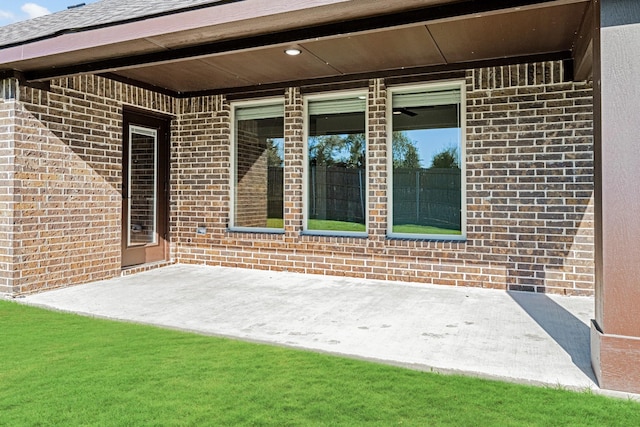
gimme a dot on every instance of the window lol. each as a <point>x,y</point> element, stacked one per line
<point>336,178</point>
<point>427,159</point>
<point>258,167</point>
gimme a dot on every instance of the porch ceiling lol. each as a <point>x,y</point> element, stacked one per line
<point>187,62</point>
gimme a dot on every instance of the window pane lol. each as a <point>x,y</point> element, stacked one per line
<point>426,147</point>
<point>337,177</point>
<point>259,167</point>
<point>142,186</point>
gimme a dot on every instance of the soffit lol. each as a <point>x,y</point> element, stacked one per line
<point>407,47</point>
<point>518,33</point>
<point>514,34</point>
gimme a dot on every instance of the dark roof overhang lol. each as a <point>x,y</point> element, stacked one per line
<point>188,52</point>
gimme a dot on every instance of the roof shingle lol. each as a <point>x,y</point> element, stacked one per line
<point>100,13</point>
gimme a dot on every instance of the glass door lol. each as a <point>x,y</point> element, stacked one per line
<point>144,190</point>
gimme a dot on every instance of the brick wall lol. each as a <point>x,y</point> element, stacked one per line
<point>68,167</point>
<point>530,176</point>
<point>7,168</point>
<point>200,175</point>
<point>529,193</point>
<point>529,160</point>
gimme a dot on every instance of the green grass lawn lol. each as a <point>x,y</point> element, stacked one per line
<point>319,224</point>
<point>328,225</point>
<point>423,229</point>
<point>275,223</point>
<point>65,370</point>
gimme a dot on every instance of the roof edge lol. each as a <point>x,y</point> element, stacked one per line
<point>119,22</point>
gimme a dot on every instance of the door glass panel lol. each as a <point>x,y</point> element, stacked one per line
<point>142,186</point>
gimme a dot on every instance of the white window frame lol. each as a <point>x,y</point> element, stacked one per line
<point>233,167</point>
<point>305,176</point>
<point>454,84</point>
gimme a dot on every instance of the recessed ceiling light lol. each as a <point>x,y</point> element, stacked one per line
<point>293,52</point>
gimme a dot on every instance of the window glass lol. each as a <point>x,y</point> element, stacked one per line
<point>336,176</point>
<point>143,158</point>
<point>259,167</point>
<point>426,147</point>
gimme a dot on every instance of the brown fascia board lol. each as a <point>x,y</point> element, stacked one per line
<point>13,74</point>
<point>142,85</point>
<point>241,15</point>
<point>582,49</point>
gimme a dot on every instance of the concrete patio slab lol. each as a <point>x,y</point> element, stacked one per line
<point>514,336</point>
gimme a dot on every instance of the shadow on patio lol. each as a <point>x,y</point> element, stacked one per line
<point>572,334</point>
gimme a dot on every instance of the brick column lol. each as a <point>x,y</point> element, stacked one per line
<point>293,163</point>
<point>615,337</point>
<point>8,107</point>
<point>377,160</point>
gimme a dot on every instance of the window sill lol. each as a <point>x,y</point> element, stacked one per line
<point>428,238</point>
<point>255,230</point>
<point>327,233</point>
